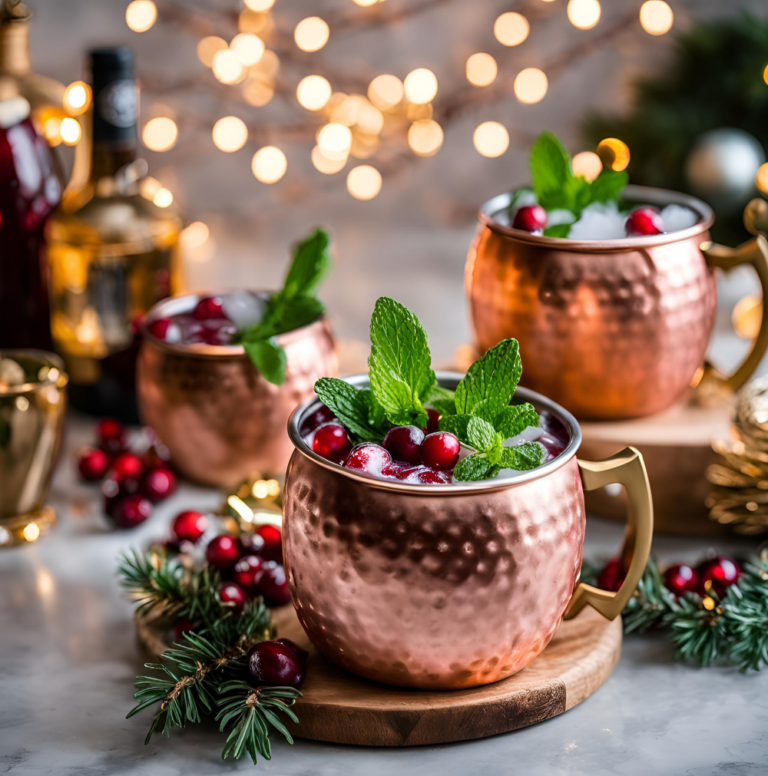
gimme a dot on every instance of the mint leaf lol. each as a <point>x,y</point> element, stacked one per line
<point>438,392</point>
<point>558,230</point>
<point>522,457</point>
<point>481,434</point>
<point>269,358</point>
<point>350,406</point>
<point>473,468</point>
<point>514,419</point>
<point>444,406</point>
<point>494,453</point>
<point>310,266</point>
<point>551,173</point>
<point>608,186</point>
<point>490,383</point>
<point>284,315</point>
<point>456,425</point>
<point>400,363</point>
<point>376,415</point>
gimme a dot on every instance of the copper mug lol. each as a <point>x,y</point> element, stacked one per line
<point>221,420</point>
<point>448,586</point>
<point>31,431</point>
<point>612,329</point>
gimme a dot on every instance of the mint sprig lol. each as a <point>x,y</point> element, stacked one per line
<point>290,308</point>
<point>557,188</point>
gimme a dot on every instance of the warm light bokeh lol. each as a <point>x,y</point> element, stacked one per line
<point>425,137</point>
<point>761,179</point>
<point>588,164</point>
<point>160,134</point>
<point>656,17</point>
<point>248,48</point>
<point>364,182</point>
<point>140,15</point>
<point>207,48</point>
<point>531,85</point>
<point>163,198</point>
<point>313,92</point>
<point>584,14</point>
<point>311,34</point>
<point>386,91</point>
<point>491,139</point>
<point>259,5</point>
<point>335,140</point>
<point>613,153</point>
<point>77,98</point>
<point>269,164</point>
<point>481,69</point>
<point>227,67</point>
<point>420,86</point>
<point>511,28</point>
<point>195,235</point>
<point>325,165</point>
<point>230,134</point>
<point>70,131</point>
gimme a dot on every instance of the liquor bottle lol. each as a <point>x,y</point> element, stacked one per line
<point>113,252</point>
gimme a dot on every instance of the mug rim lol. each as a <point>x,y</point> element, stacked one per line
<point>482,486</point>
<point>177,303</point>
<point>45,358</point>
<point>647,194</point>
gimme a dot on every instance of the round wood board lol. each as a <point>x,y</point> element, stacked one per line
<point>677,448</point>
<point>341,708</point>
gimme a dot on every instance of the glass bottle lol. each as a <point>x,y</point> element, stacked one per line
<point>113,252</point>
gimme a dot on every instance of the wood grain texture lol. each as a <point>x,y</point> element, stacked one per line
<point>341,708</point>
<point>676,446</point>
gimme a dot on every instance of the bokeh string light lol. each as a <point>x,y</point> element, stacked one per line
<point>481,69</point>
<point>613,153</point>
<point>425,137</point>
<point>491,139</point>
<point>656,17</point>
<point>511,29</point>
<point>160,134</point>
<point>230,134</point>
<point>311,34</point>
<point>364,182</point>
<point>313,92</point>
<point>531,85</point>
<point>420,86</point>
<point>269,164</point>
<point>141,15</point>
<point>584,14</point>
<point>588,164</point>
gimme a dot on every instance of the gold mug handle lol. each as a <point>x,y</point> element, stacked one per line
<point>755,253</point>
<point>626,468</point>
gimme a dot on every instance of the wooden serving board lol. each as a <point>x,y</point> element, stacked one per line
<point>341,708</point>
<point>677,447</point>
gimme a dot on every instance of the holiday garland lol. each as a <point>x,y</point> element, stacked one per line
<point>727,624</point>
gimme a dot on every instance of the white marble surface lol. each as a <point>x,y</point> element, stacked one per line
<point>68,658</point>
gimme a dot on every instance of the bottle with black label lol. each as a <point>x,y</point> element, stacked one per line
<point>113,250</point>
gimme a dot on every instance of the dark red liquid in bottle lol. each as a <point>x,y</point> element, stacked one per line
<point>29,192</point>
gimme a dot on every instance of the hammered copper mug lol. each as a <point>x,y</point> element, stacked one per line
<point>611,329</point>
<point>220,418</point>
<point>448,586</point>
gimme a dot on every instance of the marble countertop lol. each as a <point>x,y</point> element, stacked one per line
<point>68,658</point>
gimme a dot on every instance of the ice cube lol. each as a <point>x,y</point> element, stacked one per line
<point>677,217</point>
<point>555,217</point>
<point>243,308</point>
<point>600,221</point>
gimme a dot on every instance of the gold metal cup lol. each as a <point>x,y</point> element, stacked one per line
<point>611,329</point>
<point>220,419</point>
<point>448,586</point>
<point>31,430</point>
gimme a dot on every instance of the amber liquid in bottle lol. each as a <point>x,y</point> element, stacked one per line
<point>113,253</point>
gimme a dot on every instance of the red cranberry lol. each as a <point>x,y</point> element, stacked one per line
<point>433,421</point>
<point>248,572</point>
<point>127,466</point>
<point>93,464</point>
<point>158,484</point>
<point>611,576</point>
<point>181,627</point>
<point>681,579</point>
<point>159,328</point>
<point>397,470</point>
<point>332,442</point>
<point>129,511</point>
<point>530,218</point>
<point>110,435</point>
<point>717,575</point>
<point>223,552</point>
<point>232,597</point>
<point>441,450</point>
<point>272,548</point>
<point>209,308</point>
<point>218,332</point>
<point>316,419</point>
<point>369,458</point>
<point>423,475</point>
<point>300,651</point>
<point>276,664</point>
<point>251,544</point>
<point>273,585</point>
<point>404,443</point>
<point>190,526</point>
<point>644,221</point>
<point>157,456</point>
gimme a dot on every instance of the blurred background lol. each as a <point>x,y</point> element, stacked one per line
<point>403,228</point>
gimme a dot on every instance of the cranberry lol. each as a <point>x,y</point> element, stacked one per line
<point>251,544</point>
<point>397,470</point>
<point>530,218</point>
<point>433,421</point>
<point>190,526</point>
<point>441,450</point>
<point>717,575</point>
<point>273,585</point>
<point>369,458</point>
<point>423,475</point>
<point>129,511</point>
<point>181,627</point>
<point>222,552</point>
<point>110,435</point>
<point>300,651</point>
<point>93,464</point>
<point>232,597</point>
<point>158,484</point>
<point>332,442</point>
<point>644,221</point>
<point>611,576</point>
<point>272,549</point>
<point>209,308</point>
<point>681,579</point>
<point>159,328</point>
<point>127,466</point>
<point>316,419</point>
<point>404,443</point>
<point>274,663</point>
<point>248,572</point>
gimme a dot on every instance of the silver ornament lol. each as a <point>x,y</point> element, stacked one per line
<point>721,168</point>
